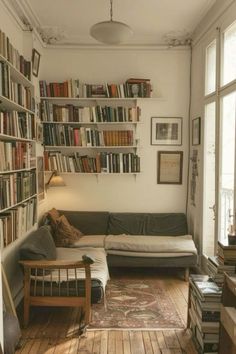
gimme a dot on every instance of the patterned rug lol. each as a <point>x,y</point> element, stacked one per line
<point>136,304</point>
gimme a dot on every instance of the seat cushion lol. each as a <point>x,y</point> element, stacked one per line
<point>91,241</point>
<point>39,246</point>
<point>150,244</point>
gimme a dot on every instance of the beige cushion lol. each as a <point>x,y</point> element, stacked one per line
<point>91,241</point>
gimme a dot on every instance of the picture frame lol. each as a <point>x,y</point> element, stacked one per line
<point>35,62</point>
<point>196,131</point>
<point>170,167</point>
<point>166,131</point>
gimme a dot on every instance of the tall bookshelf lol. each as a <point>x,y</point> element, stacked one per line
<point>92,135</point>
<point>18,202</point>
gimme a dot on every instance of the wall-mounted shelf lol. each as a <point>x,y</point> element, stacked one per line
<point>14,138</point>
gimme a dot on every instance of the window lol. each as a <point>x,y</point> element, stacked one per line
<point>219,155</point>
<point>229,54</point>
<point>210,75</point>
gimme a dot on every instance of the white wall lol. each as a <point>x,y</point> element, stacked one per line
<point>169,74</point>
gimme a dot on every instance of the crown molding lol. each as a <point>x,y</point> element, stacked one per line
<point>13,11</point>
<point>211,19</point>
<point>131,47</point>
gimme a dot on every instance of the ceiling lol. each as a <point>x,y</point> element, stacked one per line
<point>154,22</point>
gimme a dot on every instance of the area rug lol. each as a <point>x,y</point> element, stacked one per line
<point>136,304</point>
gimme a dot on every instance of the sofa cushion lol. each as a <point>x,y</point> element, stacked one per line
<point>126,223</point>
<point>88,222</point>
<point>166,224</point>
<point>150,244</point>
<point>39,246</point>
<point>91,241</point>
<point>64,233</point>
<point>53,215</point>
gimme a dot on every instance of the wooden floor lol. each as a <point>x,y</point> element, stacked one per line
<point>62,337</point>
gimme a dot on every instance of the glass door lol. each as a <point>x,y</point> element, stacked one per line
<point>209,180</point>
<point>227,164</point>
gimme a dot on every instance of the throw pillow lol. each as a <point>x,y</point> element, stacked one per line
<point>53,215</point>
<point>64,233</point>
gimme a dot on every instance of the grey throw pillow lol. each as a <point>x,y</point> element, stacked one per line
<point>40,245</point>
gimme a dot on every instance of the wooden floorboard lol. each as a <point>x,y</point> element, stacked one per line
<point>53,335</point>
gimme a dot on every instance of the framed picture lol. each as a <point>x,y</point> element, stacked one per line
<point>35,62</point>
<point>170,166</point>
<point>196,131</point>
<point>166,131</point>
<point>41,182</point>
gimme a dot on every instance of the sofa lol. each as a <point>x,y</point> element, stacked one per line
<point>137,239</point>
<point>121,239</point>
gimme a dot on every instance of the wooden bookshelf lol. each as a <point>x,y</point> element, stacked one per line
<point>19,211</point>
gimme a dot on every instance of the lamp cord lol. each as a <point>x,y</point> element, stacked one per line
<point>111,11</point>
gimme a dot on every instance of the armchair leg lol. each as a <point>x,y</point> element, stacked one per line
<point>26,313</point>
<point>186,274</point>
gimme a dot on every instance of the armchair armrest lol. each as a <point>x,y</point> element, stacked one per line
<point>47,264</point>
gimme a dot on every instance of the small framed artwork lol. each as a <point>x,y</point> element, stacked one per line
<point>170,166</point>
<point>196,131</point>
<point>166,131</point>
<point>35,62</point>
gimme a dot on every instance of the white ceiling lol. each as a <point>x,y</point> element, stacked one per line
<point>152,21</point>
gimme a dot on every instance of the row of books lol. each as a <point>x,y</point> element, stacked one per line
<point>18,124</point>
<point>16,187</point>
<point>204,313</point>
<point>16,155</point>
<point>13,56</point>
<point>69,113</point>
<point>59,135</point>
<point>14,91</point>
<point>68,88</point>
<point>17,221</point>
<point>114,114</point>
<point>101,163</point>
<point>73,88</point>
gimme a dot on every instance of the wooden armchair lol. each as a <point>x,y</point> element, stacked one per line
<point>57,283</point>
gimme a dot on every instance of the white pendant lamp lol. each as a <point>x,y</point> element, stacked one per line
<point>111,32</point>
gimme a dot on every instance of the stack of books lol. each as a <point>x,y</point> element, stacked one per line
<point>18,124</point>
<point>224,262</point>
<point>204,313</point>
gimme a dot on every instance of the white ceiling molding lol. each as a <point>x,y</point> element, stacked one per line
<point>178,38</point>
<point>13,10</point>
<point>147,47</point>
<point>51,35</point>
<point>211,18</point>
<point>62,30</point>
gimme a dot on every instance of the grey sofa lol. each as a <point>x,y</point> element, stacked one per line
<point>158,229</point>
<point>99,226</point>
